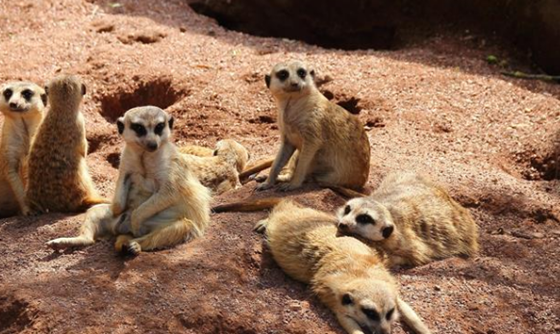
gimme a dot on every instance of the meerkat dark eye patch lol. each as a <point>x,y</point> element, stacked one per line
<point>139,129</point>
<point>8,93</point>
<point>215,153</point>
<point>27,94</point>
<point>301,73</point>
<point>347,210</point>
<point>159,129</point>
<point>84,90</point>
<point>389,314</point>
<point>371,314</point>
<point>282,75</point>
<point>364,219</point>
<point>347,299</point>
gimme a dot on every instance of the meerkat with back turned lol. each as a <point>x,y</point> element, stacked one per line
<point>347,276</point>
<point>59,180</point>
<point>332,145</point>
<point>412,220</point>
<point>158,201</point>
<point>22,104</point>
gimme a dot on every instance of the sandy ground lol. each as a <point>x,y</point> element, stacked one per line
<point>434,106</point>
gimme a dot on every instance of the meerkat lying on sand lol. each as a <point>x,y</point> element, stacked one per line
<point>412,220</point>
<point>159,202</point>
<point>23,106</point>
<point>346,275</point>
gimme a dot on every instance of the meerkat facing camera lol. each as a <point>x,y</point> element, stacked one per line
<point>411,219</point>
<point>158,201</point>
<point>22,104</point>
<point>332,145</point>
<point>347,276</point>
<point>59,180</point>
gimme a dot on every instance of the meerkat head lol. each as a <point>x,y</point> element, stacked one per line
<point>21,99</point>
<point>370,303</point>
<point>293,78</point>
<point>66,90</point>
<point>238,151</point>
<point>366,218</point>
<point>145,128</point>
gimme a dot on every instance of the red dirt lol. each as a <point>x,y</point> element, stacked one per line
<point>434,106</point>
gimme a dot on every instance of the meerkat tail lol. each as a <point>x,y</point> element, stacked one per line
<point>260,166</point>
<point>346,192</point>
<point>411,318</point>
<point>88,202</point>
<point>248,206</point>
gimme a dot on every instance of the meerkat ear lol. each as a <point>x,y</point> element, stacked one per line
<point>44,98</point>
<point>312,73</point>
<point>267,80</point>
<point>84,89</point>
<point>215,153</point>
<point>120,125</point>
<point>170,122</point>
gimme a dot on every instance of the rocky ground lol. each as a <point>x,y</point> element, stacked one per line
<point>434,106</point>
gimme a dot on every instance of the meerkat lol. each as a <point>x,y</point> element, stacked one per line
<point>22,104</point>
<point>412,220</point>
<point>347,276</point>
<point>220,172</point>
<point>158,201</point>
<point>199,151</point>
<point>331,143</point>
<point>59,180</point>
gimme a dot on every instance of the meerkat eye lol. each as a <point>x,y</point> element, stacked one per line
<point>347,299</point>
<point>282,75</point>
<point>364,219</point>
<point>390,314</point>
<point>159,128</point>
<point>372,314</point>
<point>139,129</point>
<point>347,210</point>
<point>27,94</point>
<point>301,73</point>
<point>8,93</point>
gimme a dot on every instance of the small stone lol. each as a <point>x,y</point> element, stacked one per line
<point>437,288</point>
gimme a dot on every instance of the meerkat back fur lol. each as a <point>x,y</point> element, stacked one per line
<point>347,276</point>
<point>59,180</point>
<point>158,201</point>
<point>220,171</point>
<point>22,104</point>
<point>199,151</point>
<point>332,145</point>
<point>411,219</point>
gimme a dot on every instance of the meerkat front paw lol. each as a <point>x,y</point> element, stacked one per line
<point>264,186</point>
<point>26,211</point>
<point>260,226</point>
<point>289,186</point>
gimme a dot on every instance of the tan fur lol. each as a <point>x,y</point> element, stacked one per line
<point>158,202</point>
<point>58,175</point>
<point>199,151</point>
<point>303,242</point>
<point>332,146</point>
<point>219,171</point>
<point>22,104</point>
<point>427,223</point>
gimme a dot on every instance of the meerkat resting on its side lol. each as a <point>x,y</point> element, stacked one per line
<point>220,171</point>
<point>412,220</point>
<point>22,104</point>
<point>346,275</point>
<point>158,201</point>
<point>59,180</point>
<point>332,145</point>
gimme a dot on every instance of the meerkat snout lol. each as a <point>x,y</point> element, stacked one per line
<point>387,231</point>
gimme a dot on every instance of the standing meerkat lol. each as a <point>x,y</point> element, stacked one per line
<point>59,180</point>
<point>346,275</point>
<point>158,201</point>
<point>412,220</point>
<point>332,145</point>
<point>22,104</point>
<point>220,171</point>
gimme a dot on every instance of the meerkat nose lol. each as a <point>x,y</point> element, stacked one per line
<point>152,146</point>
<point>387,231</point>
<point>13,105</point>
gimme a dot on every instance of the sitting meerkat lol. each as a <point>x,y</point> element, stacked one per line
<point>220,171</point>
<point>158,201</point>
<point>412,220</point>
<point>22,104</point>
<point>59,180</point>
<point>331,144</point>
<point>346,275</point>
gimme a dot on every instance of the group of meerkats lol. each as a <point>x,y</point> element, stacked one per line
<point>163,192</point>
